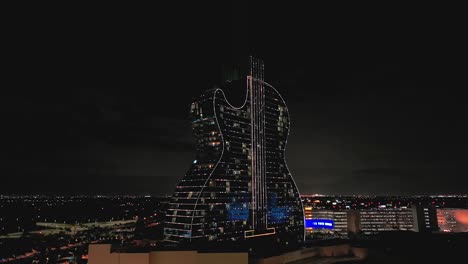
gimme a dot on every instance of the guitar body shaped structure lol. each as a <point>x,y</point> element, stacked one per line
<point>239,186</point>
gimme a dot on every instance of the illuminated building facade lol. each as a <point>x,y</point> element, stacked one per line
<point>374,221</point>
<point>341,223</point>
<point>236,190</point>
<point>335,222</point>
<point>452,219</point>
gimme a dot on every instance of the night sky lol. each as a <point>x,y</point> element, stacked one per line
<point>97,102</point>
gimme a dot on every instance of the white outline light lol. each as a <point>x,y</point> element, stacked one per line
<point>222,152</point>
<point>284,158</point>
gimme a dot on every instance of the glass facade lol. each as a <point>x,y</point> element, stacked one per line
<point>388,219</point>
<point>234,189</point>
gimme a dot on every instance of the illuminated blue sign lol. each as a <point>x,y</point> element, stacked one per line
<point>319,223</point>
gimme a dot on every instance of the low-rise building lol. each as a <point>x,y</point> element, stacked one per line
<point>101,254</point>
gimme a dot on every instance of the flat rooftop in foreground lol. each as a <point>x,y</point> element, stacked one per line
<point>101,254</point>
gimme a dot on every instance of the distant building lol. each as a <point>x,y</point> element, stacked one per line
<point>425,218</point>
<point>452,219</point>
<point>374,221</point>
<point>341,223</point>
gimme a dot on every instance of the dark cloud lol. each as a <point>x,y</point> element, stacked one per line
<point>103,106</point>
<point>377,171</point>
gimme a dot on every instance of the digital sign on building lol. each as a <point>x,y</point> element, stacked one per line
<point>319,223</point>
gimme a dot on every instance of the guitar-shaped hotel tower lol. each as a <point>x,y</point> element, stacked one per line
<point>238,186</point>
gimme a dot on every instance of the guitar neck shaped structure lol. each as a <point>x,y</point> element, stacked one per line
<point>238,186</point>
